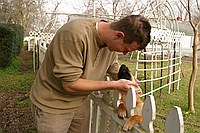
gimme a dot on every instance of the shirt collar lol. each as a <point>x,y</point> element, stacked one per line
<point>99,42</point>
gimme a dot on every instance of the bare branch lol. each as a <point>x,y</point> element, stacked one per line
<point>190,15</point>
<point>198,7</point>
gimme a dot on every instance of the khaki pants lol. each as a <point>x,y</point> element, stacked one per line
<point>73,122</point>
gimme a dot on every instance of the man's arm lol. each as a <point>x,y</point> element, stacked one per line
<point>84,85</point>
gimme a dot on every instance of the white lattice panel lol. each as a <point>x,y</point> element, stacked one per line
<point>165,48</point>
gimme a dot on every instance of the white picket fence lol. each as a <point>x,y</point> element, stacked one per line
<point>38,43</point>
<point>104,118</point>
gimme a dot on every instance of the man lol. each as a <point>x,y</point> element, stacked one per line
<point>82,52</point>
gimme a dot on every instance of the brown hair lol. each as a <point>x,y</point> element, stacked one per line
<point>136,28</point>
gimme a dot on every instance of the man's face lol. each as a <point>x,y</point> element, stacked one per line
<point>117,44</point>
<point>120,46</point>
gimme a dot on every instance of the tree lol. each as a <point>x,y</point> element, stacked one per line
<point>195,22</point>
<point>23,12</point>
<point>180,10</point>
<point>52,20</point>
<point>30,14</point>
<point>113,9</point>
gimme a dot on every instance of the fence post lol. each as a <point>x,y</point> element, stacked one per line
<point>104,115</point>
<point>131,106</point>
<point>174,122</point>
<point>34,62</point>
<point>149,115</point>
<point>95,118</point>
<point>113,124</point>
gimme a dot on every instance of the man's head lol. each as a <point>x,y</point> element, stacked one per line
<point>132,30</point>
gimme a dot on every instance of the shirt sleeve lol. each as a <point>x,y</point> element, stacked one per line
<point>114,68</point>
<point>68,58</point>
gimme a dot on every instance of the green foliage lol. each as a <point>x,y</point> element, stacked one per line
<point>19,37</point>
<point>24,103</point>
<point>23,97</point>
<point>31,129</point>
<point>6,45</point>
<point>11,42</point>
<point>10,79</point>
<point>16,63</point>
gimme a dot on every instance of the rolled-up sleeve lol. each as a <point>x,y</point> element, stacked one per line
<point>68,58</point>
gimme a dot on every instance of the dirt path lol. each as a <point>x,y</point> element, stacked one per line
<point>16,116</point>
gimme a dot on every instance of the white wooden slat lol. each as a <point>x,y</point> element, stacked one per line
<point>108,109</point>
<point>130,105</point>
<point>104,115</point>
<point>113,124</point>
<point>103,123</point>
<point>174,122</point>
<point>95,118</point>
<point>91,113</point>
<point>130,101</point>
<point>34,57</point>
<point>149,114</point>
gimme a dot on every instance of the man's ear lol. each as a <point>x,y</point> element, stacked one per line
<point>119,35</point>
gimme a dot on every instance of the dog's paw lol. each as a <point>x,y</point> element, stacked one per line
<point>121,111</point>
<point>130,123</point>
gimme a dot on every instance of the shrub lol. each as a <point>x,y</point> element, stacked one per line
<point>11,42</point>
<point>7,39</point>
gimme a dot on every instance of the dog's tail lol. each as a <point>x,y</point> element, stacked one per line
<point>130,123</point>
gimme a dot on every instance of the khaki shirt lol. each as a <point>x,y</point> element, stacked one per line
<point>75,52</point>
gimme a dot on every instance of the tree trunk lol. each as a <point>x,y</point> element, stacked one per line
<point>194,73</point>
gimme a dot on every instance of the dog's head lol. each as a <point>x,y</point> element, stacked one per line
<point>124,73</point>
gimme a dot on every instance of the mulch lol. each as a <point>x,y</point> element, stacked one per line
<point>15,118</point>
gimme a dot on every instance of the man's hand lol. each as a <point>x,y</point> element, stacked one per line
<point>123,85</point>
<point>138,90</point>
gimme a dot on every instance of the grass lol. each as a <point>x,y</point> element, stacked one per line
<point>165,102</point>
<point>15,78</point>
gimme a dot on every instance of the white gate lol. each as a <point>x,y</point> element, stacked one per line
<point>104,118</point>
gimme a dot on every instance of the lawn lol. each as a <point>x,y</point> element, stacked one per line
<point>165,102</point>
<point>15,110</point>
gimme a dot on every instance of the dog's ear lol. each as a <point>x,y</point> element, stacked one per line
<point>124,73</point>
